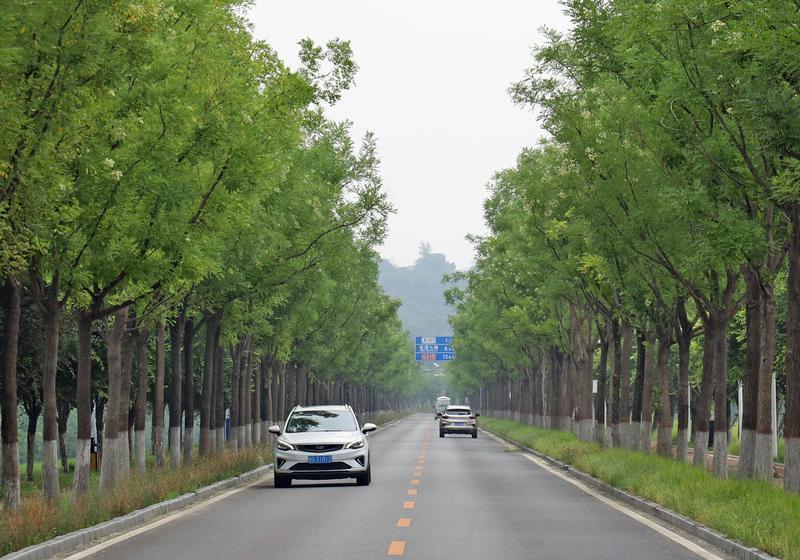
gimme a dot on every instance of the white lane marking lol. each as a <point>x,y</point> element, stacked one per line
<point>158,523</point>
<point>686,543</point>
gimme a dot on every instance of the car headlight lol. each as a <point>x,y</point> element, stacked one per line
<point>355,444</point>
<point>283,445</point>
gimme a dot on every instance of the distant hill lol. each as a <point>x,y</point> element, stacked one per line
<point>419,287</point>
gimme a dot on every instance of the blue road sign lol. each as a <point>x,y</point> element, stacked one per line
<point>433,340</point>
<point>434,356</point>
<point>434,348</point>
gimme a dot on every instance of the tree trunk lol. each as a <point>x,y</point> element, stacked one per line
<point>33,419</point>
<point>615,388</point>
<point>236,402</point>
<point>664,440</point>
<point>83,404</point>
<point>175,387</point>
<point>50,483</point>
<point>10,429</point>
<point>647,394</point>
<point>791,431</point>
<point>142,384</point>
<point>207,443</point>
<point>721,401</point>
<point>126,361</point>
<point>219,413</point>
<point>114,335</point>
<point>256,403</point>
<point>701,424</point>
<point>600,398</point>
<point>282,395</point>
<point>748,416</point>
<point>188,391</point>
<point>635,430</point>
<point>625,386</point>
<point>64,409</point>
<point>684,336</point>
<point>158,395</point>
<point>763,454</point>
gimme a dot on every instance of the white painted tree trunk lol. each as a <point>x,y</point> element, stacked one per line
<point>791,465</point>
<point>763,464</point>
<point>645,436</point>
<point>188,444</point>
<point>158,444</point>
<point>700,447</point>
<point>633,438</point>
<point>108,466</point>
<point>721,453</point>
<point>141,451</point>
<point>175,445</point>
<point>83,450</point>
<point>682,446</point>
<point>11,486</point>
<point>50,465</point>
<point>747,455</point>
<point>585,429</point>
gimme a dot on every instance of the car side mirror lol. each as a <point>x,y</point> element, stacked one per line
<point>477,414</point>
<point>438,415</point>
<point>275,430</point>
<point>368,427</point>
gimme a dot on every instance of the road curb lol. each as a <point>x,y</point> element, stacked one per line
<point>726,544</point>
<point>132,520</point>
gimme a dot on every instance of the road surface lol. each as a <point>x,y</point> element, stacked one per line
<point>431,499</point>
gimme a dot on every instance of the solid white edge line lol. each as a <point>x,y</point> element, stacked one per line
<point>686,543</point>
<point>158,523</point>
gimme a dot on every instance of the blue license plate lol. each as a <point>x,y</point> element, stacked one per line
<point>320,459</point>
<point>459,424</point>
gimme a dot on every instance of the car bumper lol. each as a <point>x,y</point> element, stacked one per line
<point>450,428</point>
<point>344,464</point>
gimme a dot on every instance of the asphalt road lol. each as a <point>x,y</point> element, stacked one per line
<point>430,498</point>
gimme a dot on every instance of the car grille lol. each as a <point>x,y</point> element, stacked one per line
<point>321,448</point>
<point>335,466</point>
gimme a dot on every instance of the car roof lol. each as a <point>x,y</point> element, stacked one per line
<point>324,407</point>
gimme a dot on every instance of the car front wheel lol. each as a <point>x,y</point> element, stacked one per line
<point>282,481</point>
<point>474,433</point>
<point>365,478</point>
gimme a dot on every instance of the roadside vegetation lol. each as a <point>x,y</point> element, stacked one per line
<point>37,519</point>
<point>753,512</point>
<point>643,261</point>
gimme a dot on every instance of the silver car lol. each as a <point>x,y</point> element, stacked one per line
<point>458,419</point>
<point>322,442</point>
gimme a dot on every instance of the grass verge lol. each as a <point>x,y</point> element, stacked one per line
<point>35,521</point>
<point>752,512</point>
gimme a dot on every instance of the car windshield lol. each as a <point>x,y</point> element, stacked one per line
<point>321,421</point>
<point>458,412</point>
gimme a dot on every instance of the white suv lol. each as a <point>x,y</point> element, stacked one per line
<point>322,442</point>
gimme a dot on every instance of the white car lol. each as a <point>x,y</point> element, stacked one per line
<point>458,419</point>
<point>322,442</point>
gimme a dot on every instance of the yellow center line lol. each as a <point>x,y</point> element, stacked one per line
<point>415,481</point>
<point>404,522</point>
<point>412,491</point>
<point>408,505</point>
<point>397,548</point>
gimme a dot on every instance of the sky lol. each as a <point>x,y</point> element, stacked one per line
<point>433,87</point>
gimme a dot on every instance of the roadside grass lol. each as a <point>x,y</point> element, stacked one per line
<point>753,512</point>
<point>35,521</point>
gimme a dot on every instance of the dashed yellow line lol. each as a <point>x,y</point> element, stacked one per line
<point>397,548</point>
<point>408,505</point>
<point>415,481</point>
<point>404,522</point>
<point>412,491</point>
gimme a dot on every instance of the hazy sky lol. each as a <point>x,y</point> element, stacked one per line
<point>432,86</point>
